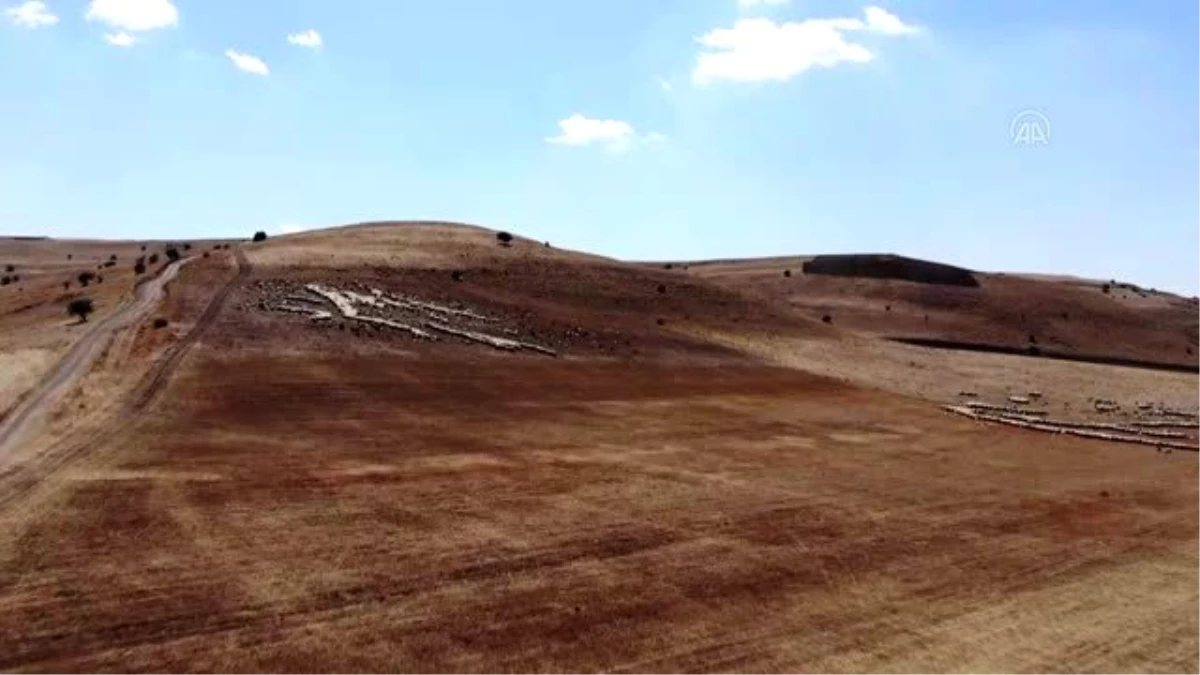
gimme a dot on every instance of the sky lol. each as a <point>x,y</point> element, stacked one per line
<point>1003,135</point>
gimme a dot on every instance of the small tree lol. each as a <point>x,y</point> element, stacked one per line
<point>9,268</point>
<point>81,307</point>
<point>85,278</point>
<point>113,257</point>
<point>160,322</point>
<point>5,280</point>
<point>504,238</point>
<point>153,259</point>
<point>187,246</point>
<point>260,236</point>
<point>172,254</point>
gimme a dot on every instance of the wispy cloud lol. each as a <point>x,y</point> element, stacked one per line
<point>614,135</point>
<point>31,14</point>
<point>760,49</point>
<point>309,38</point>
<point>248,62</point>
<point>757,3</point>
<point>133,15</point>
<point>120,39</point>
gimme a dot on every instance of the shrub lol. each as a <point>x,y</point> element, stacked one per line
<point>187,246</point>
<point>172,254</point>
<point>504,238</point>
<point>1032,339</point>
<point>160,322</point>
<point>668,266</point>
<point>113,257</point>
<point>456,275</point>
<point>662,288</point>
<point>787,273</point>
<point>258,236</point>
<point>206,254</point>
<point>85,278</point>
<point>5,280</point>
<point>827,319</point>
<point>1034,350</point>
<point>153,259</point>
<point>99,279</point>
<point>887,308</point>
<point>1106,289</point>
<point>143,247</point>
<point>16,278</point>
<point>9,268</point>
<point>139,267</point>
<point>66,285</point>
<point>80,307</point>
<point>110,263</point>
<point>69,256</point>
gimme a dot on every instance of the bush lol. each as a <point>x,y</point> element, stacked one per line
<point>1034,350</point>
<point>160,322</point>
<point>827,319</point>
<point>139,268</point>
<point>113,257</point>
<point>9,268</point>
<point>80,307</point>
<point>206,254</point>
<point>172,254</point>
<point>456,275</point>
<point>787,273</point>
<point>85,278</point>
<point>5,280</point>
<point>67,285</point>
<point>69,256</point>
<point>99,279</point>
<point>110,263</point>
<point>662,288</point>
<point>504,238</point>
<point>16,278</point>
<point>258,236</point>
<point>187,246</point>
<point>143,247</point>
<point>153,259</point>
<point>1106,289</point>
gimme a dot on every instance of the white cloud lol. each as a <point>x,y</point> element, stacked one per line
<point>248,62</point>
<point>120,39</point>
<point>615,135</point>
<point>133,15</point>
<point>756,3</point>
<point>31,14</point>
<point>881,21</point>
<point>309,38</point>
<point>757,50</point>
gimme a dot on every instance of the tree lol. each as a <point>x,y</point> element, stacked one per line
<point>81,307</point>
<point>85,278</point>
<point>172,254</point>
<point>260,236</point>
<point>9,268</point>
<point>504,238</point>
<point>153,259</point>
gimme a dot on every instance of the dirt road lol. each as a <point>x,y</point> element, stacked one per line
<point>32,412</point>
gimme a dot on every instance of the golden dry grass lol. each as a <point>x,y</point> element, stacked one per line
<point>717,499</point>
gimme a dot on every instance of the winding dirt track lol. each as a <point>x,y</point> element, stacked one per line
<point>32,412</point>
<point>17,480</point>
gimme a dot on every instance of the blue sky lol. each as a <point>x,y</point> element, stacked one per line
<point>642,129</point>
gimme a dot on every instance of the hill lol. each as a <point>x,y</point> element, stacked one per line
<point>412,447</point>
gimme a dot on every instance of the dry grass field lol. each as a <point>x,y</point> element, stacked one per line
<point>704,477</point>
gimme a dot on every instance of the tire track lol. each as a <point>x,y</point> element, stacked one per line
<point>166,367</point>
<point>19,480</point>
